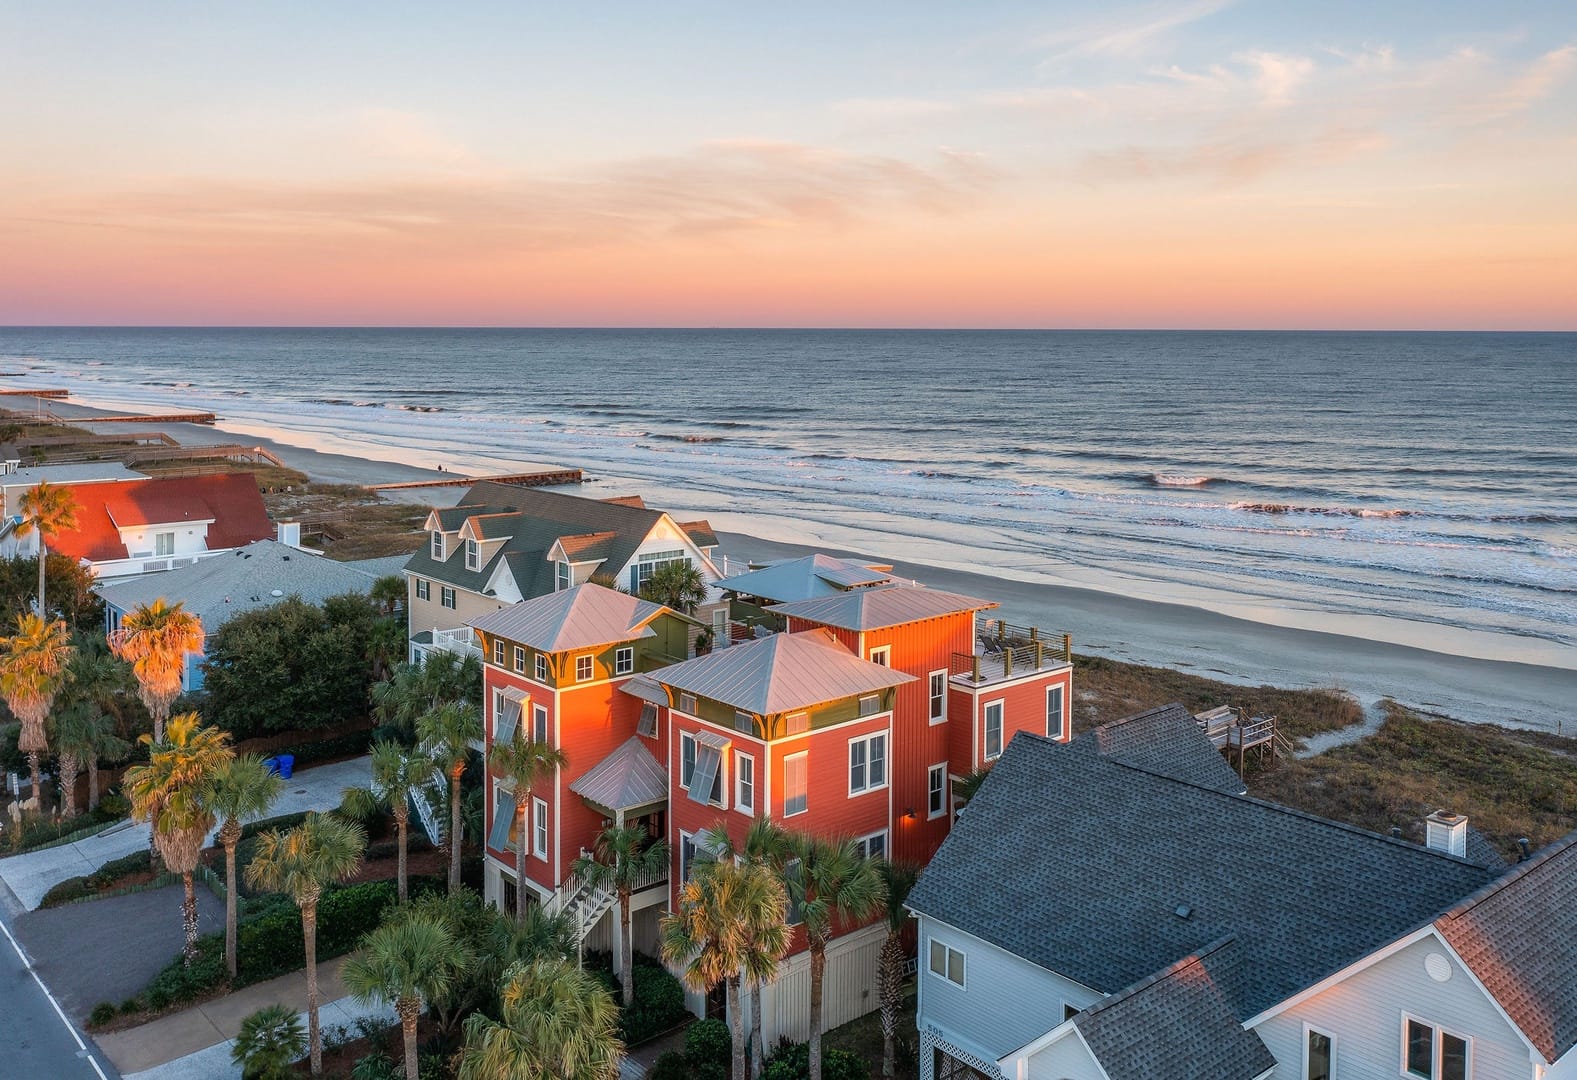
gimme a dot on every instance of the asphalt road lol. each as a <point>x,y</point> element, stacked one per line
<point>39,1041</point>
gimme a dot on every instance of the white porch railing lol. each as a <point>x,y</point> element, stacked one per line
<point>462,640</point>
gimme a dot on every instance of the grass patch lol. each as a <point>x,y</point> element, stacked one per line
<point>1509,783</point>
<point>1106,690</point>
<point>862,1037</point>
<point>359,524</point>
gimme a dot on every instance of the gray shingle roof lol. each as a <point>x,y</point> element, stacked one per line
<point>536,519</point>
<point>584,617</point>
<point>780,673</point>
<point>1094,897</point>
<point>1519,936</point>
<point>1186,1014</point>
<point>805,578</point>
<point>1150,741</point>
<point>220,587</point>
<point>627,778</point>
<point>880,606</point>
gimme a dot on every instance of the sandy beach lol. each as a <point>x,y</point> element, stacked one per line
<point>1101,622</point>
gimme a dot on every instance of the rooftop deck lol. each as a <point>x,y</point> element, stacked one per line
<point>1005,651</point>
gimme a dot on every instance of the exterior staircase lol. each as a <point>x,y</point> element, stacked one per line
<point>582,902</point>
<point>424,801</point>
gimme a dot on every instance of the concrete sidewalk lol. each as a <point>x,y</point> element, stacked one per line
<point>196,1042</point>
<point>33,874</point>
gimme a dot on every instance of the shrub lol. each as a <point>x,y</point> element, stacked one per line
<point>102,1014</point>
<point>793,1063</point>
<point>283,822</point>
<point>112,807</point>
<point>376,1066</point>
<point>177,982</point>
<point>268,1042</point>
<point>271,944</point>
<point>708,1042</point>
<point>66,892</point>
<point>131,1006</point>
<point>138,862</point>
<point>671,1065</point>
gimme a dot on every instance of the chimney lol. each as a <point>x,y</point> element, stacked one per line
<point>288,532</point>
<point>1446,832</point>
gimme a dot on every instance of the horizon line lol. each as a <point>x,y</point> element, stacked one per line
<point>721,328</point>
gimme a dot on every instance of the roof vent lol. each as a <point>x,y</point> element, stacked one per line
<point>1447,832</point>
<point>1183,911</point>
<point>1524,850</point>
<point>1396,832</point>
<point>278,592</point>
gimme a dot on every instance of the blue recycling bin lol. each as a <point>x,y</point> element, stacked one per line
<point>287,762</point>
<point>272,765</point>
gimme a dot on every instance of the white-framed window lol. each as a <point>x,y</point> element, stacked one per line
<point>1430,1052</point>
<point>938,688</point>
<point>539,723</point>
<point>424,589</point>
<point>164,543</point>
<point>689,754</point>
<point>539,831</point>
<point>624,660</point>
<point>870,704</point>
<point>649,563</point>
<point>745,722</point>
<point>993,730</point>
<point>936,791</point>
<point>1054,712</point>
<point>1319,1055</point>
<point>882,655</point>
<point>446,597</point>
<point>438,544</point>
<point>564,576</point>
<point>542,667</point>
<point>583,668</point>
<point>498,652</point>
<point>873,846</point>
<point>520,659</point>
<point>473,555</point>
<point>947,962</point>
<point>687,703</point>
<point>796,784</point>
<point>796,723</point>
<point>1070,1011</point>
<point>686,855</point>
<point>868,763</point>
<point>744,783</point>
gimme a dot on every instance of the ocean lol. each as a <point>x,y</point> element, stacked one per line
<point>1424,479</point>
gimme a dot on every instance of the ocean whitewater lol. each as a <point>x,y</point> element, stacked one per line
<point>1406,487</point>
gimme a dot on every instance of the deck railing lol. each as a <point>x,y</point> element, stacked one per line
<point>1006,650</point>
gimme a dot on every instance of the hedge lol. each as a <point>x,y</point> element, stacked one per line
<point>272,945</point>
<point>659,997</point>
<point>105,877</point>
<point>793,1063</point>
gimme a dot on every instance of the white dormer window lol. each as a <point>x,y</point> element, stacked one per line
<point>473,555</point>
<point>438,544</point>
<point>566,576</point>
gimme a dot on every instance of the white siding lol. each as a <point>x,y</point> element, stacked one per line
<point>1005,1003</point>
<point>1364,1013</point>
<point>1565,1068</point>
<point>1066,1059</point>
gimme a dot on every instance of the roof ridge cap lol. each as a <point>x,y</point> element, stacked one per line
<point>1512,875</point>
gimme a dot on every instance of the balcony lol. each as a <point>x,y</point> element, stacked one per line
<point>461,640</point>
<point>1004,651</point>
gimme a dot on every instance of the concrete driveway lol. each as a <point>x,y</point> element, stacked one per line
<point>32,875</point>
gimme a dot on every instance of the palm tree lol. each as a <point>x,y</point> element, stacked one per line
<point>766,844</point>
<point>100,692</point>
<point>32,671</point>
<point>726,912</point>
<point>833,880</point>
<point>404,963</point>
<point>557,1023</point>
<point>524,762</point>
<point>965,786</point>
<point>398,776</point>
<point>47,511</point>
<point>241,788</point>
<point>623,858</point>
<point>388,592</point>
<point>84,736</point>
<point>678,585</point>
<point>897,880</point>
<point>447,733</point>
<point>155,638</point>
<point>321,850</point>
<point>168,793</point>
<point>413,690</point>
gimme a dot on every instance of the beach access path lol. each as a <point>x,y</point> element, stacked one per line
<point>31,875</point>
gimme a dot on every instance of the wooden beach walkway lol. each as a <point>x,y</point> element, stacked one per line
<point>53,394</point>
<point>550,478</point>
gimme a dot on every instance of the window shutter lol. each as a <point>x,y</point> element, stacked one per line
<point>707,761</point>
<point>503,818</point>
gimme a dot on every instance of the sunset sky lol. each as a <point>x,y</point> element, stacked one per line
<point>1203,164</point>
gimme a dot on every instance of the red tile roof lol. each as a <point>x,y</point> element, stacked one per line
<point>230,501</point>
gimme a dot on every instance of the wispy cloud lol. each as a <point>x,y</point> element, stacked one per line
<point>1129,33</point>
